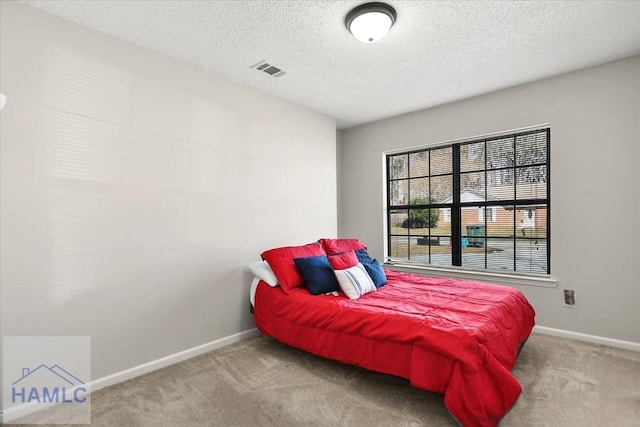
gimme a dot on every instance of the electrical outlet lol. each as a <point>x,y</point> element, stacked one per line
<point>569,298</point>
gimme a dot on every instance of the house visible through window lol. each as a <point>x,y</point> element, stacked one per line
<point>481,204</point>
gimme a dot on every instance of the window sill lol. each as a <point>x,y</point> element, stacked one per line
<point>489,276</point>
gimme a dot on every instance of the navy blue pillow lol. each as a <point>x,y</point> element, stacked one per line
<point>317,274</point>
<point>376,272</point>
<point>363,256</point>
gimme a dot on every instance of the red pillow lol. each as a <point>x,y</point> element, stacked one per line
<point>344,260</point>
<point>281,262</point>
<point>337,246</point>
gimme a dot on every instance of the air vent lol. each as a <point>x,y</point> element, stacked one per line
<point>270,69</point>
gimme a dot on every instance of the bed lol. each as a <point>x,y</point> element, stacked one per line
<point>455,337</point>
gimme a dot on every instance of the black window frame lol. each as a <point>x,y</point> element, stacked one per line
<point>456,206</point>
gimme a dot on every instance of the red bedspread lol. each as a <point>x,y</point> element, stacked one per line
<point>455,337</point>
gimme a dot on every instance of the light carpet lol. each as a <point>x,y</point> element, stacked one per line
<point>260,382</point>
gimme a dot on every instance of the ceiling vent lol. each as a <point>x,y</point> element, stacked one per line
<point>270,69</point>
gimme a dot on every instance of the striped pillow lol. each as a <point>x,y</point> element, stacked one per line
<point>355,281</point>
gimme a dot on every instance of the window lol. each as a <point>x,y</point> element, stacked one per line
<point>481,204</point>
<point>447,215</point>
<point>489,212</point>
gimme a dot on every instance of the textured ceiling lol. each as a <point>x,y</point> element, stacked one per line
<point>437,52</point>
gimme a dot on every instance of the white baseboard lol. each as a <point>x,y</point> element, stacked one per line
<point>163,362</point>
<point>26,409</point>
<point>594,339</point>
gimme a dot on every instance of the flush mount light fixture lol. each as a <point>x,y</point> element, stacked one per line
<point>370,22</point>
<point>3,100</point>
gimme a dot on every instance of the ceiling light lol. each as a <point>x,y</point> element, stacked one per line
<point>3,100</point>
<point>370,22</point>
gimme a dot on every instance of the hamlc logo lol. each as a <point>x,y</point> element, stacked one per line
<point>48,384</point>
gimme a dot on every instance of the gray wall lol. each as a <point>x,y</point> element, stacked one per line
<point>135,188</point>
<point>595,212</point>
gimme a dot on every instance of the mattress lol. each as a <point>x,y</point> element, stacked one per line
<point>455,337</point>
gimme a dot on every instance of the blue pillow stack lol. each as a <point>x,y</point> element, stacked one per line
<point>373,267</point>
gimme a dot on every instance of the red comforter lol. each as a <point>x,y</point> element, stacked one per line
<point>455,337</point>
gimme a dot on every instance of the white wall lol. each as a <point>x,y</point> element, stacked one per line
<point>595,199</point>
<point>134,189</point>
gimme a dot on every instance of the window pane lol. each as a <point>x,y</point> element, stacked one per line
<point>531,149</point>
<point>421,220</point>
<point>502,226</point>
<point>423,231</point>
<point>472,157</point>
<point>419,251</point>
<point>398,166</point>
<point>532,191</point>
<point>399,221</point>
<point>500,178</point>
<point>419,164</point>
<point>531,255</point>
<point>472,187</point>
<point>473,256</point>
<point>532,182</point>
<point>441,251</point>
<point>419,191</point>
<point>500,184</point>
<point>431,244</point>
<point>500,153</point>
<point>399,248</point>
<point>399,192</point>
<point>531,249</point>
<point>444,226</point>
<point>532,222</point>
<point>540,228</point>
<point>441,161</point>
<point>500,254</point>
<point>435,216</point>
<point>442,189</point>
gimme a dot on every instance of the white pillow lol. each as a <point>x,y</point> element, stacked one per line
<point>355,281</point>
<point>263,271</point>
<point>252,291</point>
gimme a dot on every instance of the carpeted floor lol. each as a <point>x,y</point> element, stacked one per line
<point>260,382</point>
